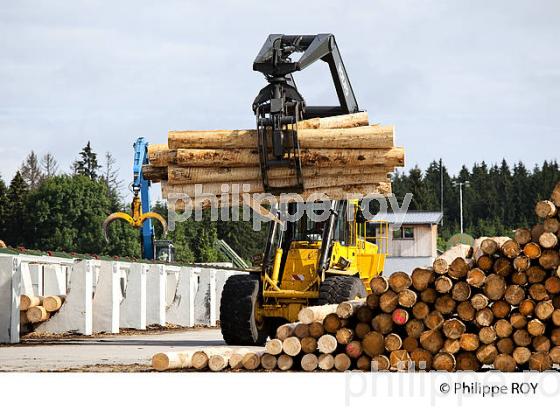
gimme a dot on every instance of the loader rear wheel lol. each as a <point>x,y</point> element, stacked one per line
<point>239,321</point>
<point>337,289</point>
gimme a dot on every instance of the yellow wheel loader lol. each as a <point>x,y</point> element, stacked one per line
<point>305,263</point>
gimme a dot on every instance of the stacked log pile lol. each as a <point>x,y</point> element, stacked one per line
<point>37,309</point>
<point>494,305</point>
<point>339,155</point>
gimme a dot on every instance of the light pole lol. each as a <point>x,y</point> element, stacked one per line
<point>460,184</point>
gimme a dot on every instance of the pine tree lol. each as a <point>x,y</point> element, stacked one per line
<point>31,171</point>
<point>3,208</point>
<point>87,164</point>
<point>49,165</point>
<point>111,179</point>
<point>16,211</point>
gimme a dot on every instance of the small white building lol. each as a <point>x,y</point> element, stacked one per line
<point>414,244</point>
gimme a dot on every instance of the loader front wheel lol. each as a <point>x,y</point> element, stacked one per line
<point>239,321</point>
<point>337,289</point>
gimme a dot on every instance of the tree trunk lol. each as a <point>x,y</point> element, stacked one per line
<point>172,360</point>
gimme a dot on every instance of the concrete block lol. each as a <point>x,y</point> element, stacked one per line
<point>54,280</point>
<point>133,306</point>
<point>205,299</point>
<point>182,310</point>
<point>171,284</point>
<point>36,274</point>
<point>26,282</point>
<point>107,298</point>
<point>10,281</point>
<point>75,316</point>
<point>156,295</point>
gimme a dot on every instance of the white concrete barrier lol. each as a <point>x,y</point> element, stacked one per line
<point>156,295</point>
<point>75,315</point>
<point>205,306</point>
<point>133,306</point>
<point>36,274</point>
<point>182,309</point>
<point>10,282</point>
<point>54,280</point>
<point>107,298</point>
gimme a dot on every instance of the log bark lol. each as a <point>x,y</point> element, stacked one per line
<point>268,361</point>
<point>399,281</point>
<point>522,236</point>
<point>331,323</point>
<point>301,330</point>
<point>308,344</point>
<point>53,303</point>
<point>172,360</point>
<point>316,330</point>
<point>503,328</point>
<point>252,360</point>
<point>342,362</point>
<point>469,342</point>
<point>327,344</point>
<point>320,157</point>
<point>495,287</point>
<point>284,331</point>
<point>363,138</point>
<point>379,285</point>
<point>218,361</point>
<point>273,346</point>
<point>380,363</point>
<point>545,209</point>
<point>388,301</point>
<point>540,361</point>
<point>284,362</point>
<point>444,362</point>
<point>346,309</point>
<point>453,328</point>
<point>393,342</point>
<point>28,301</point>
<point>354,349</point>
<point>37,314</point>
<point>504,363</point>
<point>382,323</point>
<point>422,278</point>
<point>344,335</point>
<point>476,277</point>
<point>236,358</point>
<point>532,250</point>
<point>326,362</point>
<point>407,298</point>
<point>291,346</point>
<point>441,263</point>
<point>548,240</point>
<point>373,344</point>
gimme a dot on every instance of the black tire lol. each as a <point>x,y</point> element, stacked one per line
<point>240,297</point>
<point>337,289</point>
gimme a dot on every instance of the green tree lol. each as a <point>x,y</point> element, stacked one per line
<point>3,208</point>
<point>15,214</point>
<point>67,212</point>
<point>87,164</point>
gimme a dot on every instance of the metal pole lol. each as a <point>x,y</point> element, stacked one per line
<point>461,203</point>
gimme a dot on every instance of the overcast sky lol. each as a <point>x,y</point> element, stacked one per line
<point>463,80</point>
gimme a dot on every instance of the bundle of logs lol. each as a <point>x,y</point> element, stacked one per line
<point>37,309</point>
<point>339,155</point>
<point>493,305</point>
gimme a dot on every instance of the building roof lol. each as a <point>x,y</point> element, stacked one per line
<point>411,217</point>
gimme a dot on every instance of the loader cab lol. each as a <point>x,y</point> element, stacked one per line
<point>164,251</point>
